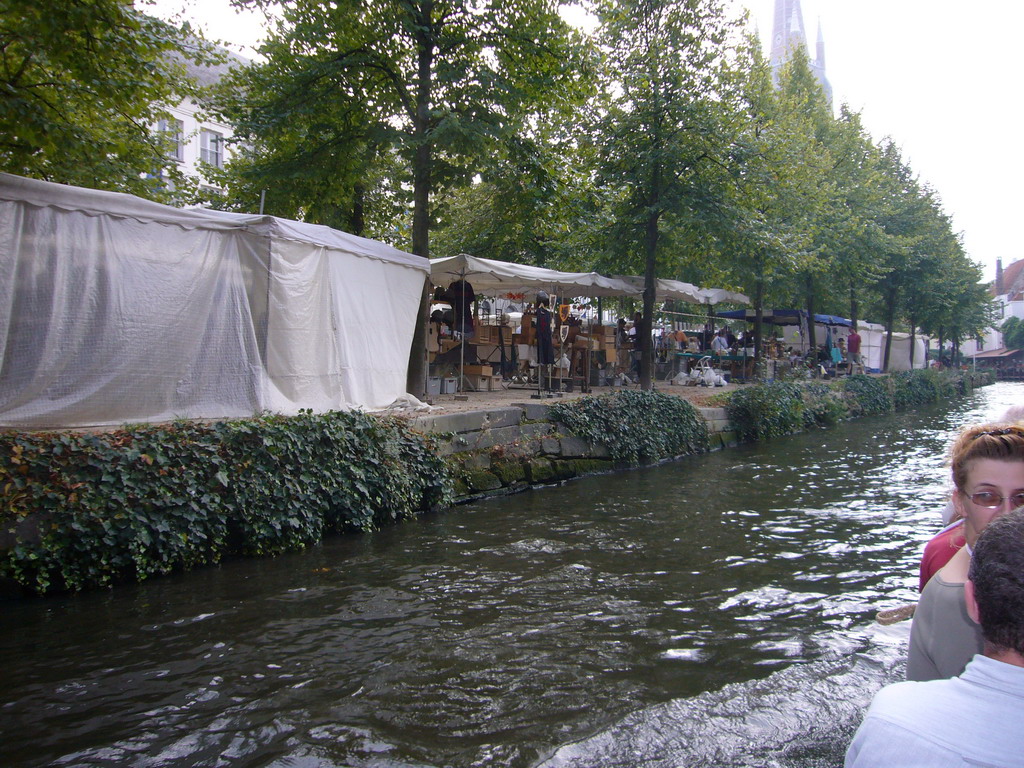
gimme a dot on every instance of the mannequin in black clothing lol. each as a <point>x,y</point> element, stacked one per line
<point>461,295</point>
<point>545,347</point>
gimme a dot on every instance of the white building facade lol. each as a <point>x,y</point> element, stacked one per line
<point>195,139</point>
<point>1008,294</point>
<point>198,142</point>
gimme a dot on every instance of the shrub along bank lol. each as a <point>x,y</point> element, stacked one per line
<point>637,427</point>
<point>85,510</point>
<point>784,407</point>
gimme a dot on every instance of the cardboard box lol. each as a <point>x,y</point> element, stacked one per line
<point>478,370</point>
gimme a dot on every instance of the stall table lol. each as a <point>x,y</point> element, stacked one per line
<point>741,367</point>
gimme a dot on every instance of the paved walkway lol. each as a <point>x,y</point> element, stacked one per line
<point>486,401</point>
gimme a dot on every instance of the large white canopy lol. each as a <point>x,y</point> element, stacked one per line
<point>721,295</point>
<point>494,278</point>
<point>115,309</point>
<point>665,290</point>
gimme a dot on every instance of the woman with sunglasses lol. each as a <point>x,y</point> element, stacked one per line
<point>946,543</point>
<point>988,475</point>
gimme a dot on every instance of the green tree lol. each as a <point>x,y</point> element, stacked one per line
<point>431,83</point>
<point>901,216</point>
<point>805,114</point>
<point>854,237</point>
<point>1013,333</point>
<point>528,205</point>
<point>663,133</point>
<point>82,86</point>
<point>775,191</point>
<point>944,295</point>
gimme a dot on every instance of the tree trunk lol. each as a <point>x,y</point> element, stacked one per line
<point>650,252</point>
<point>812,339</point>
<point>890,318</point>
<point>416,377</point>
<point>357,217</point>
<point>758,317</point>
<point>646,343</point>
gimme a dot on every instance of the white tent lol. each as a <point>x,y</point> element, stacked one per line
<point>720,295</point>
<point>873,348</point>
<point>116,309</point>
<point>492,277</point>
<point>872,344</point>
<point>665,290</point>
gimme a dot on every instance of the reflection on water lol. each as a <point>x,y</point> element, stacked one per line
<point>700,613</point>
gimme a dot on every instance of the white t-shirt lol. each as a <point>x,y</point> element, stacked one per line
<point>974,719</point>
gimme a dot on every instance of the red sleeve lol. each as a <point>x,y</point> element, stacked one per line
<point>939,551</point>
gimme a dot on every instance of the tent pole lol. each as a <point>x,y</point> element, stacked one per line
<point>462,337</point>
<point>536,342</point>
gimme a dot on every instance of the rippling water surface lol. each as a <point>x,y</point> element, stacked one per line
<point>714,611</point>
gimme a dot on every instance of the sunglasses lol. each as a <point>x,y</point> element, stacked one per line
<point>990,500</point>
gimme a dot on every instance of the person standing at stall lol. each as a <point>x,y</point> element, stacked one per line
<point>622,347</point>
<point>854,360</point>
<point>545,347</point>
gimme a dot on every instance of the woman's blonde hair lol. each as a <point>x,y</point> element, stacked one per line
<point>1003,441</point>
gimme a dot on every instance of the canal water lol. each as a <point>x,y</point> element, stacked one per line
<point>716,611</point>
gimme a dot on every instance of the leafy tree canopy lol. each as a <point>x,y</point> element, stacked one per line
<point>1013,333</point>
<point>82,85</point>
<point>424,89</point>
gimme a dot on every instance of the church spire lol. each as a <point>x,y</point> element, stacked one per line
<point>819,54</point>
<point>788,34</point>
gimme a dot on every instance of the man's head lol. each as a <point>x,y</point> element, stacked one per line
<point>995,586</point>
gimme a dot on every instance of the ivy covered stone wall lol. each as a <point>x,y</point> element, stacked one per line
<point>82,510</point>
<point>510,449</point>
<point>92,509</point>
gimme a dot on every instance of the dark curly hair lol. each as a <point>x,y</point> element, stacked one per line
<point>997,572</point>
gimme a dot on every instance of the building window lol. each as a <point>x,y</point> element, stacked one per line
<point>211,148</point>
<point>173,131</point>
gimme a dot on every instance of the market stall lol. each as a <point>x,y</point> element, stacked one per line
<point>792,336</point>
<point>676,290</point>
<point>490,277</point>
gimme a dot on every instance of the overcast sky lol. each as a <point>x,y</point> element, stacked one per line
<point>938,76</point>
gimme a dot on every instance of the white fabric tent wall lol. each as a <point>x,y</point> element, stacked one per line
<point>899,354</point>
<point>872,344</point>
<point>117,309</point>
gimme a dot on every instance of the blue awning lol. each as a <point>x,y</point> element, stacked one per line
<point>782,317</point>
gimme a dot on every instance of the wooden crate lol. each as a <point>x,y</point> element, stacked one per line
<point>475,383</point>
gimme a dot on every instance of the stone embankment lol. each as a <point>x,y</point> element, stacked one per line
<point>509,449</point>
